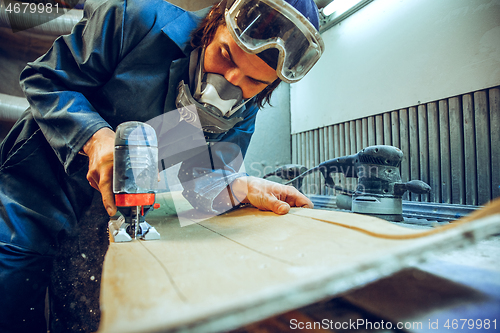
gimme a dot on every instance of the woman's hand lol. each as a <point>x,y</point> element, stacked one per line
<point>267,195</point>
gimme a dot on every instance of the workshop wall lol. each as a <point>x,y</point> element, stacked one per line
<point>394,54</point>
<point>452,144</point>
<point>423,76</point>
<point>17,49</point>
<point>271,142</point>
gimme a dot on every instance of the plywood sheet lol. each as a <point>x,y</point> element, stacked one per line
<point>247,265</point>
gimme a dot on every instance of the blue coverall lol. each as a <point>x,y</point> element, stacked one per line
<point>122,61</point>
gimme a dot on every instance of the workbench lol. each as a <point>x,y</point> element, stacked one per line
<point>247,265</point>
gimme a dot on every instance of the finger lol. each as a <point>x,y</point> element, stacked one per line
<point>275,205</point>
<point>304,202</point>
<point>92,180</point>
<point>281,208</point>
<point>296,198</point>
<point>108,197</point>
<point>108,200</point>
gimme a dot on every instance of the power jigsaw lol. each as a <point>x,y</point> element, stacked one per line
<point>135,177</point>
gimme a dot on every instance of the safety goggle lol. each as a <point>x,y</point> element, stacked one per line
<point>279,33</point>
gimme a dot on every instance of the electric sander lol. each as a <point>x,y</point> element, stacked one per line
<point>380,189</point>
<point>135,176</point>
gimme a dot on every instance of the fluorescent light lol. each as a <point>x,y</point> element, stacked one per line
<point>339,6</point>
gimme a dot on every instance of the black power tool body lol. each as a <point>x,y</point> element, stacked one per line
<point>380,189</point>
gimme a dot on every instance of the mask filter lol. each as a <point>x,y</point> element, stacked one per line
<point>210,118</point>
<point>220,93</point>
<point>216,100</point>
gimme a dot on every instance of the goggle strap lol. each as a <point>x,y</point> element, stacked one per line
<point>199,73</point>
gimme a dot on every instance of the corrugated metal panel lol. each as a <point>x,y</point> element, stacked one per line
<point>434,170</point>
<point>469,151</point>
<point>453,144</point>
<point>483,155</point>
<point>423,148</point>
<point>444,152</point>
<point>457,151</point>
<point>413,152</point>
<point>405,147</point>
<point>494,100</point>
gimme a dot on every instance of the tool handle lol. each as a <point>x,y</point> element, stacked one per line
<point>344,164</point>
<point>287,172</point>
<point>418,187</point>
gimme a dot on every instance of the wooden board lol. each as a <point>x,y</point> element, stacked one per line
<point>247,265</point>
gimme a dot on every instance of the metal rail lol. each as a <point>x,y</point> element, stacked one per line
<point>411,210</point>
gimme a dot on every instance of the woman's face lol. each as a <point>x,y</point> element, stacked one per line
<point>247,71</point>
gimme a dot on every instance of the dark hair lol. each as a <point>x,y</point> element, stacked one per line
<point>204,34</point>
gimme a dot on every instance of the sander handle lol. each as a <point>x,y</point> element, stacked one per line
<point>345,165</point>
<point>418,187</point>
<point>287,171</point>
<point>414,186</point>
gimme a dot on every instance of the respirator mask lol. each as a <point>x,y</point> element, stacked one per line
<point>215,98</point>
